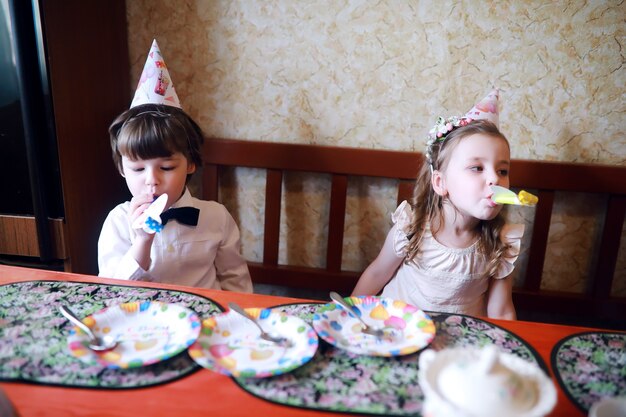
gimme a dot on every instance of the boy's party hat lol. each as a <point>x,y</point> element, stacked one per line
<point>155,85</point>
<point>486,109</point>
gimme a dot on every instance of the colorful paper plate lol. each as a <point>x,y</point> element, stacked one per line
<point>147,332</point>
<point>230,344</point>
<point>409,328</point>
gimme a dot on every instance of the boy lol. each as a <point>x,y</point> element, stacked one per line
<point>156,148</point>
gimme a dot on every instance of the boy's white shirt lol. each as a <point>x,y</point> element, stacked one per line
<point>207,255</point>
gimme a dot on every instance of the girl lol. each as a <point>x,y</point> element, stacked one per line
<point>156,148</point>
<point>450,250</point>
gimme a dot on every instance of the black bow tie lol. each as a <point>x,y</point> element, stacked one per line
<point>184,215</point>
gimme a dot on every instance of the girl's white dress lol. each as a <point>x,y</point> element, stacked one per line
<point>444,279</point>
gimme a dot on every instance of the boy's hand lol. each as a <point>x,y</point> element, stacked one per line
<point>141,247</point>
<point>139,204</point>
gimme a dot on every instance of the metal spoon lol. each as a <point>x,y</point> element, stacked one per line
<point>367,328</point>
<point>279,340</point>
<point>96,343</point>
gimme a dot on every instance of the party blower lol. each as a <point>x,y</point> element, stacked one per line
<point>503,195</point>
<point>150,220</point>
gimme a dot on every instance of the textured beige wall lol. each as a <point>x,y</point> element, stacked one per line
<point>376,75</point>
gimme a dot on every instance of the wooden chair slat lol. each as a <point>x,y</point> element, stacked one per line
<point>309,158</point>
<point>308,278</point>
<point>210,182</point>
<point>539,241</point>
<point>405,191</point>
<point>560,302</point>
<point>609,246</point>
<point>563,176</point>
<point>336,221</point>
<point>273,192</point>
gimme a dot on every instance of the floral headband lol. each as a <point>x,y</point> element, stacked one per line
<point>486,109</point>
<point>440,131</point>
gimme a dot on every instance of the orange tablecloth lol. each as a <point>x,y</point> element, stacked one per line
<point>205,392</point>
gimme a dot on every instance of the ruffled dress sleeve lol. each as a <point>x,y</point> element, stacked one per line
<point>401,218</point>
<point>511,234</point>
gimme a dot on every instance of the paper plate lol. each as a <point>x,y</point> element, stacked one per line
<point>230,344</point>
<point>410,329</point>
<point>147,332</point>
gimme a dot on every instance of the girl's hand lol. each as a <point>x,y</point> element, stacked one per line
<point>381,270</point>
<point>500,299</point>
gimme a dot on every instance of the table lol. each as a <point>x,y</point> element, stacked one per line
<point>205,392</point>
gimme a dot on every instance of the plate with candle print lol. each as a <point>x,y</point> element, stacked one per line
<point>231,344</point>
<point>407,329</point>
<point>147,332</point>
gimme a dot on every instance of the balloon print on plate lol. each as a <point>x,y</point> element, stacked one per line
<point>230,344</point>
<point>407,329</point>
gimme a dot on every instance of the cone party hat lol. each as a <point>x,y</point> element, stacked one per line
<point>155,85</point>
<point>486,109</point>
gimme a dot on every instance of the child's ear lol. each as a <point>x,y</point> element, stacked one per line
<point>438,183</point>
<point>191,168</point>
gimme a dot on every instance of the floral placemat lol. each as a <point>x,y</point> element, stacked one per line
<point>33,334</point>
<point>590,366</point>
<point>338,381</point>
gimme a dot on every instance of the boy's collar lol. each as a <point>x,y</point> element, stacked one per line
<point>185,200</point>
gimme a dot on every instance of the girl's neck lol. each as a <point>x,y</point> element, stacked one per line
<point>454,230</point>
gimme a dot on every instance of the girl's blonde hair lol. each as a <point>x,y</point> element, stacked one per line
<point>155,131</point>
<point>428,205</point>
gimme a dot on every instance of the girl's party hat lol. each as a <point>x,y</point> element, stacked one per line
<point>155,85</point>
<point>486,109</point>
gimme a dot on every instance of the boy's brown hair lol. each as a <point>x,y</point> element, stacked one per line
<point>155,131</point>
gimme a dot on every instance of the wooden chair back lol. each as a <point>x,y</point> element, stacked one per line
<point>547,177</point>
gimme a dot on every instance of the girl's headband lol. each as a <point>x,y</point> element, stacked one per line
<point>486,109</point>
